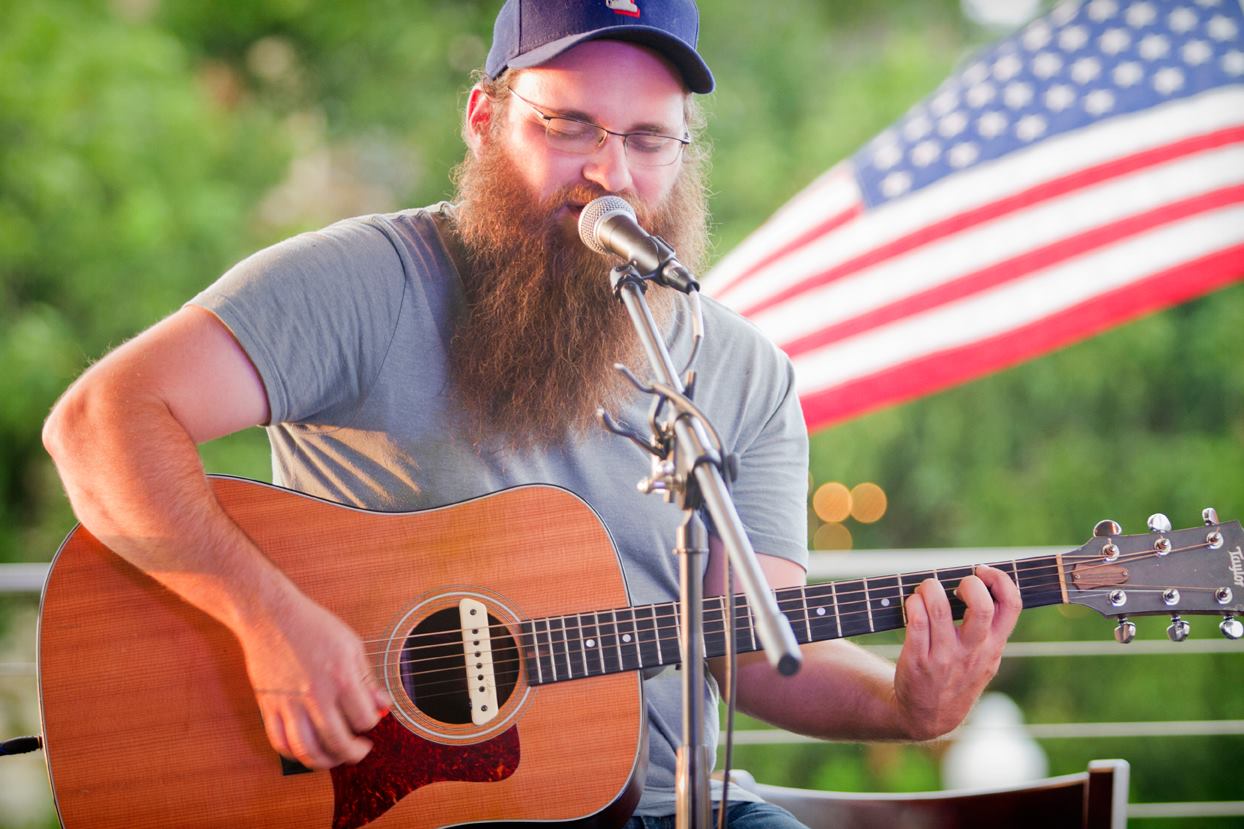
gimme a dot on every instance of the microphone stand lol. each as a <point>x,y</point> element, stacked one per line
<point>689,468</point>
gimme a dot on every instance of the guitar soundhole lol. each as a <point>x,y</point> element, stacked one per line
<point>434,666</point>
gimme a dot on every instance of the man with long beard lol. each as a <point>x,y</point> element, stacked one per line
<point>430,356</point>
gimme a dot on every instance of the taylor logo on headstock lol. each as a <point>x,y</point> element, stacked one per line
<point>1237,565</point>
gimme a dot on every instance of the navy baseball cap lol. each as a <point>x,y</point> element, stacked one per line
<point>529,32</point>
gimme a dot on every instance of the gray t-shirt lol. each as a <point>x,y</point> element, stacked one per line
<point>349,328</point>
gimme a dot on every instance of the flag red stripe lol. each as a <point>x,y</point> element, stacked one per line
<point>834,222</point>
<point>1042,192</point>
<point>1017,267</point>
<point>946,368</point>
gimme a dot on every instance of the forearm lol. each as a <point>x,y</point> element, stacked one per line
<point>134,479</point>
<point>841,692</point>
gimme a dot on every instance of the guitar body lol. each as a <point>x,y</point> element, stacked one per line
<point>149,719</point>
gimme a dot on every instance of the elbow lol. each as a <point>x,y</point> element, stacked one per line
<point>81,418</point>
<point>66,424</point>
<point>60,426</point>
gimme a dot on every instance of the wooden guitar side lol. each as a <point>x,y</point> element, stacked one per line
<point>149,720</point>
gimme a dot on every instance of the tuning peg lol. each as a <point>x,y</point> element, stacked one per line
<point>1106,528</point>
<point>1231,627</point>
<point>1159,523</point>
<point>1178,629</point>
<point>1124,631</point>
<point>1210,516</point>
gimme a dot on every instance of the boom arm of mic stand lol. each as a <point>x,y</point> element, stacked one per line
<point>773,628</point>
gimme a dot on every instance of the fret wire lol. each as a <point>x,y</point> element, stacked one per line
<point>678,635</point>
<point>535,641</point>
<point>656,636</point>
<point>600,644</point>
<point>552,652</point>
<point>566,642</point>
<point>583,646</point>
<point>617,633</point>
<point>639,654</point>
<point>833,592</point>
<point>868,605</point>
<point>807,621</point>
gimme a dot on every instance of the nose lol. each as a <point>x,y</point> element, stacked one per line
<point>607,167</point>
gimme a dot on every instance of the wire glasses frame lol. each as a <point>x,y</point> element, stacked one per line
<point>579,137</point>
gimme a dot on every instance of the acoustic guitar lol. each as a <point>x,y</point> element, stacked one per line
<point>515,672</point>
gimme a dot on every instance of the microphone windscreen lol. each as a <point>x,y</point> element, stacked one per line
<point>594,215</point>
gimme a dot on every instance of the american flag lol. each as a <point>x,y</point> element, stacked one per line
<point>1080,173</point>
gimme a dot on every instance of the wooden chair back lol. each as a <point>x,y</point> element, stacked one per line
<point>1092,799</point>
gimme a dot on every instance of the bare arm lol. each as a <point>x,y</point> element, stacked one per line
<point>845,692</point>
<point>124,440</point>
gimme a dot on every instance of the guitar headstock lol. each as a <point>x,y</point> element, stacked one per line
<point>1197,571</point>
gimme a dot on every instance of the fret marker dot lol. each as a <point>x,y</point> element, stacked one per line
<point>885,602</point>
<point>591,643</point>
<point>626,637</point>
<point>820,611</point>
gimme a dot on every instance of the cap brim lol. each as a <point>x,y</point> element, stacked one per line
<point>686,60</point>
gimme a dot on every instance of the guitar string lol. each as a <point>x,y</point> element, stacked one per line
<point>797,601</point>
<point>660,631</point>
<point>1038,572</point>
<point>570,633</point>
<point>457,678</point>
<point>660,624</point>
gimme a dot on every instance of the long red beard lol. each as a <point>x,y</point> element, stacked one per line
<point>535,343</point>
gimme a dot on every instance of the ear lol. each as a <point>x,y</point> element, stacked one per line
<point>479,113</point>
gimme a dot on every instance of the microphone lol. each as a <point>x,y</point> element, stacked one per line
<point>608,225</point>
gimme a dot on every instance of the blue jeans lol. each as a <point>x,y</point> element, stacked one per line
<point>738,816</point>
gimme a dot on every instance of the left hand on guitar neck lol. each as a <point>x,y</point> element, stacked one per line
<point>943,668</point>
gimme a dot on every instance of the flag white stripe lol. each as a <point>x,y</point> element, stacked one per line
<point>1016,304</point>
<point>831,194</point>
<point>1055,157</point>
<point>1007,236</point>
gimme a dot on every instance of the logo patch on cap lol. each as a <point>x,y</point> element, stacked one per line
<point>626,7</point>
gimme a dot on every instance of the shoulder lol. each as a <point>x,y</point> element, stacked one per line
<point>416,226</point>
<point>741,339</point>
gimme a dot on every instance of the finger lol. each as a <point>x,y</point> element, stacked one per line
<point>303,741</point>
<point>340,743</point>
<point>917,640</point>
<point>979,612</point>
<point>379,696</point>
<point>1006,597</point>
<point>942,634</point>
<point>359,706</point>
<point>274,727</point>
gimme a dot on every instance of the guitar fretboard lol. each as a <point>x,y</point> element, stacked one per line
<point>580,645</point>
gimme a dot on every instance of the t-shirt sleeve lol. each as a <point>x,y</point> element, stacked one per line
<point>771,492</point>
<point>315,314</point>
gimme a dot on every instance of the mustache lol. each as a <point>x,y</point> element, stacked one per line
<point>579,195</point>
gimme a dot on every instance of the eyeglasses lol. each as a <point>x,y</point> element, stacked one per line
<point>577,137</point>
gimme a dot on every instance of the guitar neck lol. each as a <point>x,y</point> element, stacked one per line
<point>560,648</point>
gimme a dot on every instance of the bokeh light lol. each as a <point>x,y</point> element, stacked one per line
<point>868,503</point>
<point>832,536</point>
<point>832,502</point>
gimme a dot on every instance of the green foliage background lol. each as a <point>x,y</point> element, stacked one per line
<point>146,146</point>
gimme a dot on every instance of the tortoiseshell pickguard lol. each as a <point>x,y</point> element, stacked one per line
<point>402,761</point>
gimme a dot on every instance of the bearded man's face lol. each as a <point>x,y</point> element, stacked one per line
<point>540,330</point>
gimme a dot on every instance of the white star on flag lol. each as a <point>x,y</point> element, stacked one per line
<point>968,241</point>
